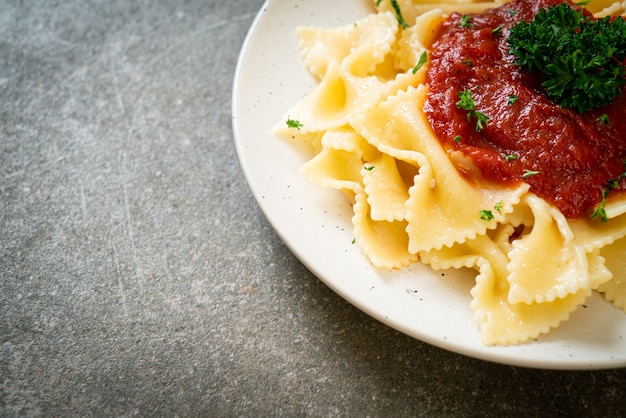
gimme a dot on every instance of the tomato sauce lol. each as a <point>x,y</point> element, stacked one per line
<point>567,158</point>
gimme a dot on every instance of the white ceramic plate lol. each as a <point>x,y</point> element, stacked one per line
<point>315,223</point>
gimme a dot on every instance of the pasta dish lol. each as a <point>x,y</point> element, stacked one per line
<point>453,156</point>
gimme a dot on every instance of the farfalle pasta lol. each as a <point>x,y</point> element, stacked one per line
<point>412,202</point>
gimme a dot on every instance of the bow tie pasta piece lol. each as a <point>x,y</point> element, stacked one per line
<point>615,289</point>
<point>500,321</point>
<point>309,143</point>
<point>593,235</point>
<point>346,61</point>
<point>360,47</point>
<point>338,165</point>
<point>356,68</point>
<point>549,251</point>
<point>610,238</point>
<point>415,39</point>
<point>387,181</point>
<point>337,97</point>
<point>440,199</point>
<point>502,266</point>
<point>385,243</point>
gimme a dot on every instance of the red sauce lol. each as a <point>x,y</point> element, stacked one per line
<point>575,154</point>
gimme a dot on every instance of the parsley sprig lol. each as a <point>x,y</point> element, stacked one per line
<point>466,22</point>
<point>467,103</point>
<point>582,59</point>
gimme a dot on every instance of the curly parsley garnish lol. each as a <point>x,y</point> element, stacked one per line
<point>581,59</point>
<point>467,103</point>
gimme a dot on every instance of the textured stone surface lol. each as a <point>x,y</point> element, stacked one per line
<point>137,274</point>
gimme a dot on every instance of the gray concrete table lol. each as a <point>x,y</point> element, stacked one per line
<point>137,273</point>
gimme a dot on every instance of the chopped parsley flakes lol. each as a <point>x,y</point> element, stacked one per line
<point>604,118</point>
<point>466,22</point>
<point>530,173</point>
<point>291,123</point>
<point>396,8</point>
<point>486,215</point>
<point>467,103</point>
<point>422,60</point>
